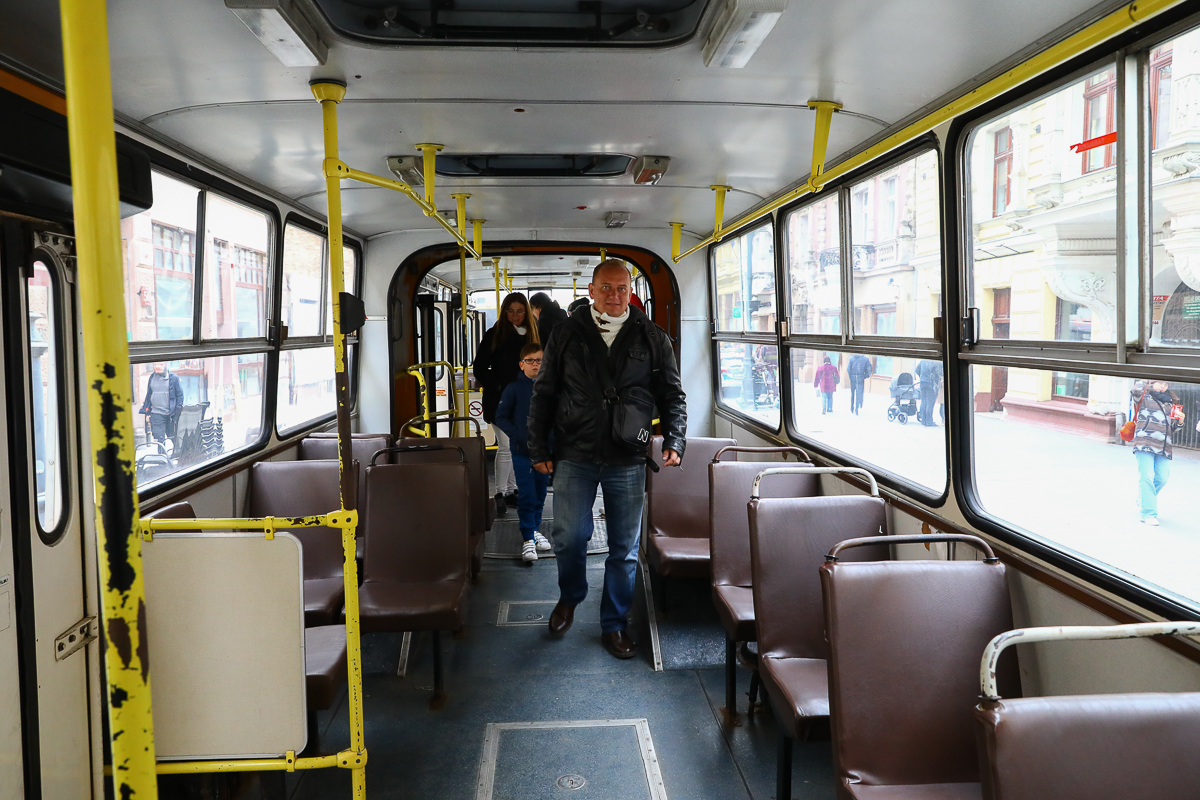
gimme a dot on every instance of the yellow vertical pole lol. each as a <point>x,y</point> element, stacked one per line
<point>477,229</point>
<point>603,253</point>
<point>496,270</point>
<point>93,151</point>
<point>429,161</point>
<point>462,297</point>
<point>676,240</point>
<point>824,109</point>
<point>330,93</point>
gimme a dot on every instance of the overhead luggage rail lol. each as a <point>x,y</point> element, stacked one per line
<point>815,471</point>
<point>988,682</point>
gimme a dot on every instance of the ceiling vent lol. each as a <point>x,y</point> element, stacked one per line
<point>616,219</point>
<point>739,29</point>
<point>410,169</point>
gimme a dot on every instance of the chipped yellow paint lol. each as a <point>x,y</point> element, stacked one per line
<point>110,417</point>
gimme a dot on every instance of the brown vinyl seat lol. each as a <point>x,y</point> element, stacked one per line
<point>1099,747</point>
<point>905,639</point>
<point>789,538</point>
<point>729,538</point>
<point>473,448</point>
<point>300,489</point>
<point>180,510</point>
<point>363,446</point>
<point>677,510</point>
<point>417,562</point>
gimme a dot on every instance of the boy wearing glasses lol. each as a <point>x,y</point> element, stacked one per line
<point>511,417</point>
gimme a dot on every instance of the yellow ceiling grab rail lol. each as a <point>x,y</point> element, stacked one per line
<point>1113,24</point>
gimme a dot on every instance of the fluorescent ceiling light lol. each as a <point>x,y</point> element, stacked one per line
<point>283,30</point>
<point>739,29</point>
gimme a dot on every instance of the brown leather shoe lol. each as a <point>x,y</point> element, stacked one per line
<point>618,644</point>
<point>561,618</point>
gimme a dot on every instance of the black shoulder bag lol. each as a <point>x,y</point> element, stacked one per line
<point>632,410</point>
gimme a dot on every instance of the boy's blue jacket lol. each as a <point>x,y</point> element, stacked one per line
<point>513,412</point>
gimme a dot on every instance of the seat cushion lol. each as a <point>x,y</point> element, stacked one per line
<point>798,689</point>
<point>323,599</point>
<point>324,664</point>
<point>917,791</point>
<point>676,557</point>
<point>398,607</point>
<point>735,607</point>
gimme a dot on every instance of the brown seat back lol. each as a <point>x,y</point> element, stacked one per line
<point>789,538</point>
<point>474,451</point>
<point>677,499</point>
<point>1102,747</point>
<point>181,510</point>
<point>415,532</point>
<point>905,639</point>
<point>729,485</point>
<point>301,489</point>
<point>362,448</point>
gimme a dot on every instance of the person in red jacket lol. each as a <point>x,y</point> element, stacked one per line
<point>826,381</point>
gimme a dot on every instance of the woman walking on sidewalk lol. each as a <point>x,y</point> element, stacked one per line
<point>1157,417</point>
<point>826,381</point>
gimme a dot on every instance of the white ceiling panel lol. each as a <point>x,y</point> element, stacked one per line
<point>191,71</point>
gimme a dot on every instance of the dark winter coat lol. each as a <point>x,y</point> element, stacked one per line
<point>859,366</point>
<point>1154,424</point>
<point>568,396</point>
<point>174,394</point>
<point>930,374</point>
<point>512,415</point>
<point>496,366</point>
<point>550,318</point>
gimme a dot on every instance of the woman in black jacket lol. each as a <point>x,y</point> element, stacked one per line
<point>548,313</point>
<point>497,364</point>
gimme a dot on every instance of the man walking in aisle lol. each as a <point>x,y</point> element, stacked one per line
<point>585,401</point>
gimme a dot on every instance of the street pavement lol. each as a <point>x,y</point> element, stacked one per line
<point>1059,486</point>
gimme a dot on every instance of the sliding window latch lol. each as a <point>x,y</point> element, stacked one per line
<point>783,327</point>
<point>970,328</point>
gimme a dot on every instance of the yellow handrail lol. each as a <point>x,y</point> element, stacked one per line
<point>94,186</point>
<point>1078,43</point>
<point>415,371</point>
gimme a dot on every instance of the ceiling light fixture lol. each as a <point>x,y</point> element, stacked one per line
<point>410,169</point>
<point>283,29</point>
<point>649,170</point>
<point>739,29</point>
<point>616,219</point>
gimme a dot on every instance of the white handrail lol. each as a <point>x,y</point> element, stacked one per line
<point>814,471</point>
<point>991,653</point>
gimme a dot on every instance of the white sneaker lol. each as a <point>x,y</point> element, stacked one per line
<point>528,551</point>
<point>1151,521</point>
<point>542,542</point>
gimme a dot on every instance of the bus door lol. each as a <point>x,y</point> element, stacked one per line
<point>432,345</point>
<point>49,587</point>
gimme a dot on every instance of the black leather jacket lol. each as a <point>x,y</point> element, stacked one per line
<point>568,396</point>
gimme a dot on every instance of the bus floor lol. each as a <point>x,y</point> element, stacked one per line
<point>509,670</point>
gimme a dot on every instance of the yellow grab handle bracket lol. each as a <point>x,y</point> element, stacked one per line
<point>824,109</point>
<point>429,160</point>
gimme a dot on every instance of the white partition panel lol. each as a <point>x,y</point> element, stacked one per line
<point>225,613</point>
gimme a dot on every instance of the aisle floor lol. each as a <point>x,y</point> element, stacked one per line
<point>504,675</point>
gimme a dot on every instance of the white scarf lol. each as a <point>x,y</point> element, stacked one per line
<point>608,326</point>
<point>520,329</point>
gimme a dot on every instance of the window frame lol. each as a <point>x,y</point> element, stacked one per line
<point>62,374</point>
<point>997,157</point>
<point>1128,54</point>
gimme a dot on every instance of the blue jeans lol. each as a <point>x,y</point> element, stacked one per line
<point>1153,471</point>
<point>826,402</point>
<point>575,485</point>
<point>531,494</point>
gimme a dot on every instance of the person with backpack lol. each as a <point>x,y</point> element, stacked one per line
<point>607,372</point>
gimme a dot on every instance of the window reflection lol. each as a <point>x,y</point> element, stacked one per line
<point>887,411</point>
<point>1066,475</point>
<point>191,411</point>
<point>750,379</point>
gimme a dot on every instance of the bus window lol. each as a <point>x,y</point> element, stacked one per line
<point>306,388</point>
<point>303,257</point>
<point>237,270</point>
<point>749,380</point>
<point>41,297</point>
<point>812,243</point>
<point>744,282</point>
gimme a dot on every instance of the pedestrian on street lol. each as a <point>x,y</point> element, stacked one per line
<point>605,368</point>
<point>859,369</point>
<point>1157,416</point>
<point>496,365</point>
<point>826,381</point>
<point>512,416</point>
<point>929,373</point>
<point>163,402</point>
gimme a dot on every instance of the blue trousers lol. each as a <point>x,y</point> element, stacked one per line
<point>531,494</point>
<point>1153,472</point>
<point>826,402</point>
<point>575,485</point>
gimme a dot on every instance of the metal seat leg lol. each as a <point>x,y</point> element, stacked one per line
<point>730,709</point>
<point>755,685</point>
<point>439,693</point>
<point>783,768</point>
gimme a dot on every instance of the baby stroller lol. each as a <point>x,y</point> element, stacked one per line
<point>904,398</point>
